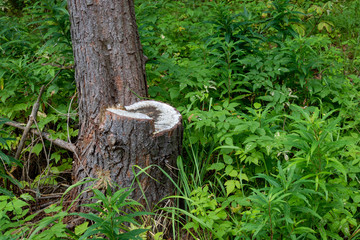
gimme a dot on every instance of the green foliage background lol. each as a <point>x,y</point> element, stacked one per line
<point>268,90</point>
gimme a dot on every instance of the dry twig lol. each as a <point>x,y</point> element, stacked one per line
<point>32,117</point>
<point>58,142</point>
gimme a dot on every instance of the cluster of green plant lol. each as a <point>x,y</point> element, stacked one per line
<point>269,94</point>
<point>36,51</point>
<point>114,213</point>
<point>7,162</point>
<point>268,91</point>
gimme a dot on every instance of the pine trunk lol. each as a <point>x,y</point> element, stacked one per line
<point>110,77</point>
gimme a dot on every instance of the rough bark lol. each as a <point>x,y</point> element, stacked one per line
<point>110,66</point>
<point>126,141</point>
<point>109,72</point>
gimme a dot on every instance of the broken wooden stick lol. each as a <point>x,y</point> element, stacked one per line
<point>32,117</point>
<point>58,142</point>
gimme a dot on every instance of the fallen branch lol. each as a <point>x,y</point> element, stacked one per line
<point>29,123</point>
<point>58,142</point>
<point>32,118</point>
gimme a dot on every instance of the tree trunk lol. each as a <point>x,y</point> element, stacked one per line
<point>146,133</point>
<point>110,74</point>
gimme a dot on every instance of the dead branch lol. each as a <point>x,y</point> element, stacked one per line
<point>58,142</point>
<point>32,117</point>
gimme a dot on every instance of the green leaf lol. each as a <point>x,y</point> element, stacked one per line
<point>133,234</point>
<point>307,210</point>
<point>6,192</point>
<point>80,229</point>
<point>230,186</point>
<point>253,126</point>
<point>356,198</point>
<point>250,146</point>
<point>314,146</point>
<point>257,105</point>
<point>243,176</point>
<point>267,98</point>
<point>44,223</point>
<point>37,149</point>
<point>241,128</point>
<point>83,181</point>
<point>339,166</point>
<point>272,181</point>
<point>91,232</point>
<point>27,197</point>
<point>233,173</point>
<point>326,25</point>
<point>216,166</point>
<point>90,216</point>
<point>11,179</point>
<point>300,230</point>
<point>227,159</point>
<point>4,157</point>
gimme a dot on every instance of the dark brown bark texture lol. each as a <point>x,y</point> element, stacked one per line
<point>125,142</point>
<point>110,71</point>
<point>109,62</point>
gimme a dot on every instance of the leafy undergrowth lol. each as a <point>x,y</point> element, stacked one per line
<point>269,93</point>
